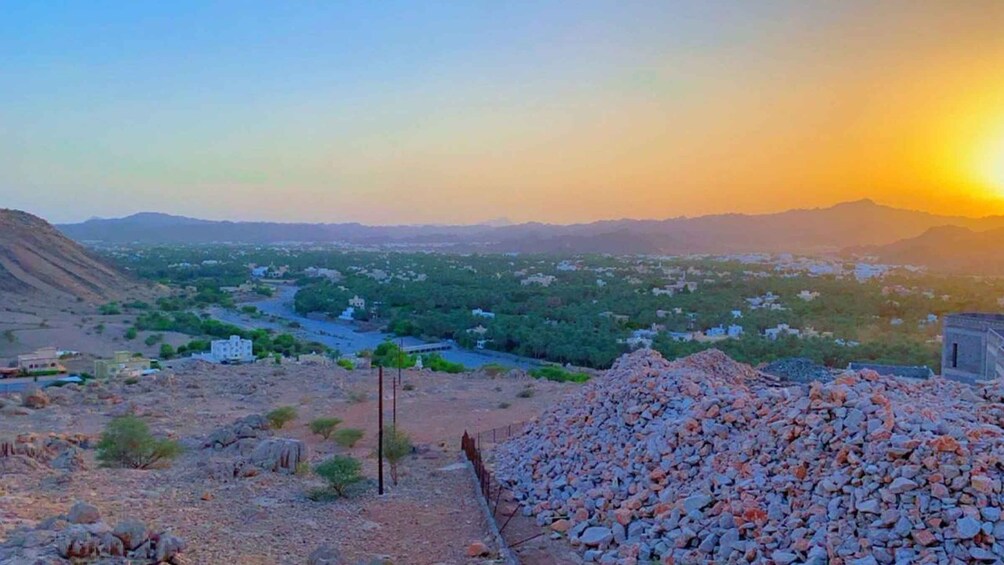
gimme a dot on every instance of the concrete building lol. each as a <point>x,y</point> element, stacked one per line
<point>972,347</point>
<point>45,359</point>
<point>123,363</point>
<point>233,350</point>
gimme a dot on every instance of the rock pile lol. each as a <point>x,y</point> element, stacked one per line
<point>700,461</point>
<point>798,370</point>
<point>249,439</point>
<point>81,536</point>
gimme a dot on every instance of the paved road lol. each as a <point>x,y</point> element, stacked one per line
<point>344,336</point>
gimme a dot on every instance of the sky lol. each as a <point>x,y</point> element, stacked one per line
<point>461,112</point>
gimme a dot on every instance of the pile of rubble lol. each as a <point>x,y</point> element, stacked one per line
<point>29,452</point>
<point>81,536</point>
<point>702,460</point>
<point>798,370</point>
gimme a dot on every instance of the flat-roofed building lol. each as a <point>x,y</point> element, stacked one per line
<point>122,363</point>
<point>972,347</point>
<point>45,359</point>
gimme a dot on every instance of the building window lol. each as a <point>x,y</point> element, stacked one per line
<point>955,355</point>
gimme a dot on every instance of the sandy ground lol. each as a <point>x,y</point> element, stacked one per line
<point>27,324</point>
<point>430,517</point>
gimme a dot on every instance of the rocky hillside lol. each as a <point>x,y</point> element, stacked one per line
<point>701,460</point>
<point>35,259</point>
<point>949,249</point>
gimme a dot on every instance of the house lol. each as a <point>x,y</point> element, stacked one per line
<point>734,331</point>
<point>780,331</point>
<point>232,350</point>
<point>259,272</point>
<point>479,329</point>
<point>41,360</point>
<point>332,275</point>
<point>808,296</point>
<point>478,312</point>
<point>357,302</point>
<point>122,363</point>
<point>681,336</point>
<point>717,331</point>
<point>737,314</point>
<point>542,280</point>
<point>973,347</point>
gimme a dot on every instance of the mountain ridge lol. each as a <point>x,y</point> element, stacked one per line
<point>843,225</point>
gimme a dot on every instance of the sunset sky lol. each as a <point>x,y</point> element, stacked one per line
<point>459,112</point>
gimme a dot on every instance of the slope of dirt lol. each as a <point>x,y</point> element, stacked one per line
<point>37,260</point>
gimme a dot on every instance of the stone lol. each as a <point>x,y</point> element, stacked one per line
<point>967,527</point>
<point>477,549</point>
<point>901,485</point>
<point>325,555</point>
<point>35,398</point>
<point>133,533</point>
<point>83,513</point>
<point>596,536</point>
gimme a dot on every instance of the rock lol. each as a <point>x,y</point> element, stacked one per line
<point>596,536</point>
<point>325,555</point>
<point>35,398</point>
<point>133,533</point>
<point>83,513</point>
<point>967,527</point>
<point>477,549</point>
<point>279,455</point>
<point>901,485</point>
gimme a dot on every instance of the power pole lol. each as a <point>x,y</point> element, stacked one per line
<point>380,433</point>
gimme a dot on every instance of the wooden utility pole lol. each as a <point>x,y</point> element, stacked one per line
<point>380,433</point>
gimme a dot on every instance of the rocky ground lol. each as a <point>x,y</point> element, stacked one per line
<point>263,514</point>
<point>705,460</point>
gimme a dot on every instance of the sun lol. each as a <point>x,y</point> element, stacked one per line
<point>991,164</point>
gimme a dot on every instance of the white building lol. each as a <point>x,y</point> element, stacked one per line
<point>233,350</point>
<point>357,302</point>
<point>482,313</point>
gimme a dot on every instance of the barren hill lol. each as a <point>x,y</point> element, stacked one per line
<point>35,259</point>
<point>948,249</point>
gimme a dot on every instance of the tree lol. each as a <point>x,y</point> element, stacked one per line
<point>281,416</point>
<point>341,472</point>
<point>347,437</point>
<point>127,442</point>
<point>166,351</point>
<point>396,446</point>
<point>324,427</point>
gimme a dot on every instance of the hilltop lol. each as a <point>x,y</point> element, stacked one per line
<point>36,260</point>
<point>860,223</point>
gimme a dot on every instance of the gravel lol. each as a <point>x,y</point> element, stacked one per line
<point>703,460</point>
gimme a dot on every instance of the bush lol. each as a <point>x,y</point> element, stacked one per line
<point>127,442</point>
<point>153,339</point>
<point>346,364</point>
<point>396,446</point>
<point>357,395</point>
<point>504,405</point>
<point>130,334</point>
<point>324,426</point>
<point>525,393</point>
<point>341,472</point>
<point>131,381</point>
<point>347,437</point>
<point>408,387</point>
<point>166,351</point>
<point>436,362</point>
<point>557,374</point>
<point>281,416</point>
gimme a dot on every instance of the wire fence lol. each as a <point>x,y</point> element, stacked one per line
<point>491,489</point>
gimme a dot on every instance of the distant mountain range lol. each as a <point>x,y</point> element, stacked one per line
<point>38,261</point>
<point>848,225</point>
<point>949,249</point>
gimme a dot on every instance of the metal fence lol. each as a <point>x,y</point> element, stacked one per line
<point>491,490</point>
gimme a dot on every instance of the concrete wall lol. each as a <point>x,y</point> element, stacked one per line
<point>964,348</point>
